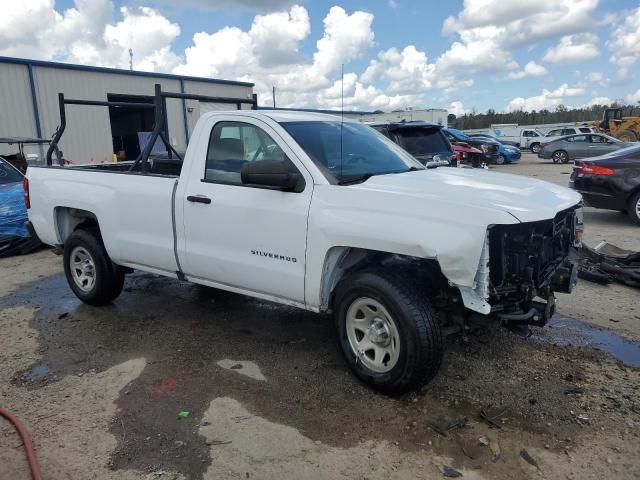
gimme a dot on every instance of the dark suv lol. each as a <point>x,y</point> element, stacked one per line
<point>425,141</point>
<point>488,147</point>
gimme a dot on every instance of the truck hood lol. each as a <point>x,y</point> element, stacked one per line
<point>526,199</point>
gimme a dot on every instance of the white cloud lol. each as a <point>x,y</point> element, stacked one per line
<point>531,69</point>
<point>87,34</point>
<point>625,40</point>
<point>547,99</point>
<point>276,36</point>
<point>457,108</point>
<point>406,71</point>
<point>523,21</point>
<point>634,97</point>
<point>489,30</point>
<point>600,101</point>
<point>346,37</point>
<point>268,55</point>
<point>573,49</point>
<point>253,5</point>
<point>595,77</point>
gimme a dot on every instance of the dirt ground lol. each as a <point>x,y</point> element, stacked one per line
<point>268,395</point>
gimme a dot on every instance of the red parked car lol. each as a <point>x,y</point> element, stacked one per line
<point>466,155</point>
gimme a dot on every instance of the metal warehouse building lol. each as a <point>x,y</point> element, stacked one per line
<point>29,106</point>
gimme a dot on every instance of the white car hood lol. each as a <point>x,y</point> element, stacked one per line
<point>525,198</point>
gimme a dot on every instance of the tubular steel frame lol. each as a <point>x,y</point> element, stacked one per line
<point>159,125</point>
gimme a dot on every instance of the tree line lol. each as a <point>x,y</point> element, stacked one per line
<point>561,114</point>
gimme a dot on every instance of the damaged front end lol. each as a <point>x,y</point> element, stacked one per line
<point>527,263</point>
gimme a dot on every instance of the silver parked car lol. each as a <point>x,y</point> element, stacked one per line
<point>567,148</point>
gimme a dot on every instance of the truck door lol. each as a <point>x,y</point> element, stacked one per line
<point>242,236</point>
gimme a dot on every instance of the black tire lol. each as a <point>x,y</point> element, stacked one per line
<point>419,336</point>
<point>634,208</point>
<point>501,160</point>
<point>535,147</point>
<point>108,278</point>
<point>627,136</point>
<point>560,156</point>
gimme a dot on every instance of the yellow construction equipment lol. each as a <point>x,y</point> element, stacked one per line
<point>626,129</point>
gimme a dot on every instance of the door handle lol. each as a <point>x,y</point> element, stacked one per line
<point>199,199</point>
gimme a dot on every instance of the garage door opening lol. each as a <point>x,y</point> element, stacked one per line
<point>130,127</point>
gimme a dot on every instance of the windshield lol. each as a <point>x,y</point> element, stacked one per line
<point>422,141</point>
<point>361,153</point>
<point>8,174</point>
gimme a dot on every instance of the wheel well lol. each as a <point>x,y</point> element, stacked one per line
<point>69,220</point>
<point>632,194</point>
<point>341,261</point>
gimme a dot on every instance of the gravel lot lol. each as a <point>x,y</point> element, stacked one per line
<point>268,395</point>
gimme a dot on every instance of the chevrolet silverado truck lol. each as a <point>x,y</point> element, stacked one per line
<point>327,215</point>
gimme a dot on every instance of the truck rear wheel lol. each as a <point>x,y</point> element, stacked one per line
<point>90,273</point>
<point>535,147</point>
<point>387,331</point>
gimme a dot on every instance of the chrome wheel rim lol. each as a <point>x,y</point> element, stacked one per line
<point>638,208</point>
<point>559,157</point>
<point>373,335</point>
<point>83,269</point>
<point>535,148</point>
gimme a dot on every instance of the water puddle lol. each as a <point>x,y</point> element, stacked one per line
<point>564,331</point>
<point>39,371</point>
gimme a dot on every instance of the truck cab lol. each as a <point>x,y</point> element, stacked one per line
<point>324,214</point>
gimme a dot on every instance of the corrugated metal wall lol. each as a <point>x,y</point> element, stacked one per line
<point>199,88</point>
<point>88,134</point>
<point>16,110</point>
<point>87,138</point>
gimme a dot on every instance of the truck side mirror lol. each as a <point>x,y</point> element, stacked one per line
<point>274,174</point>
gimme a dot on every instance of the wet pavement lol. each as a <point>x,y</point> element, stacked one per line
<point>283,365</point>
<point>563,330</point>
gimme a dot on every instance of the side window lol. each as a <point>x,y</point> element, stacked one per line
<point>233,144</point>
<point>598,139</point>
<point>568,131</point>
<point>585,130</point>
<point>578,139</point>
<point>526,133</point>
<point>554,133</point>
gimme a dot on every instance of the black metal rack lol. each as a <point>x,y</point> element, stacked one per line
<point>159,123</point>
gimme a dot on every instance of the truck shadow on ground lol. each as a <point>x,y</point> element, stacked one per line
<point>183,331</point>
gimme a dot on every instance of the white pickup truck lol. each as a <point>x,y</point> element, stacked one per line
<point>527,137</point>
<point>306,210</point>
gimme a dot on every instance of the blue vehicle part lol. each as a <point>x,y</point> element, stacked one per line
<point>511,154</point>
<point>13,213</point>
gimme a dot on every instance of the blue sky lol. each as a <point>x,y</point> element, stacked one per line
<point>476,54</point>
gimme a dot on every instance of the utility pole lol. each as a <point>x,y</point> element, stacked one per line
<point>130,59</point>
<point>274,96</point>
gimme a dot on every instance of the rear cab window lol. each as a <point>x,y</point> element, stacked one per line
<point>420,141</point>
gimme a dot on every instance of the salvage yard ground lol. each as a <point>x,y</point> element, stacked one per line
<point>268,395</point>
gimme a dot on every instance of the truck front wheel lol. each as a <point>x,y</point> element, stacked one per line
<point>387,331</point>
<point>90,273</point>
